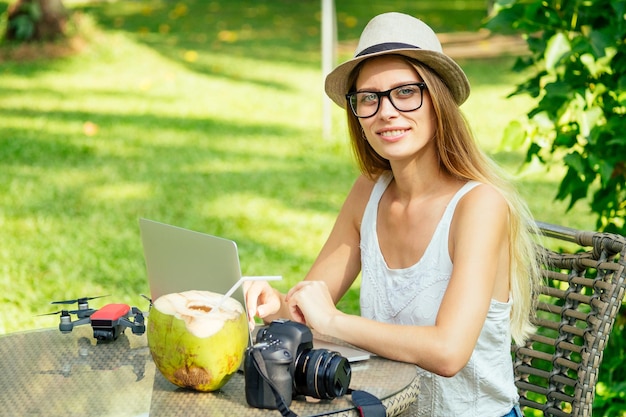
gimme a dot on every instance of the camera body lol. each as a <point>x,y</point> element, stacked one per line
<point>292,365</point>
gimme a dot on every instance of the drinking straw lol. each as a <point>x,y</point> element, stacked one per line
<point>240,281</point>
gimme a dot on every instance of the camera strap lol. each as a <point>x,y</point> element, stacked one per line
<point>281,404</point>
<point>367,404</point>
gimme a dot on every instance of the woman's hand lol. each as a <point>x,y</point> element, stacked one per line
<point>310,303</point>
<point>261,299</point>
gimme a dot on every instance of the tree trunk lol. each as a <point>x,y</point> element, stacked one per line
<point>40,20</point>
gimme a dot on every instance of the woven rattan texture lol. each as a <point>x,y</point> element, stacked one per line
<point>557,370</point>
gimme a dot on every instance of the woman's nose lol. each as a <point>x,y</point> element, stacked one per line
<point>386,109</point>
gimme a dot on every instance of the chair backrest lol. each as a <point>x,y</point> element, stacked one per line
<point>557,370</point>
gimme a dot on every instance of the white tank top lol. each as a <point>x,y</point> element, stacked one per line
<point>412,296</point>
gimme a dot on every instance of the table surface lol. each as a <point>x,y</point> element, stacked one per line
<point>46,373</point>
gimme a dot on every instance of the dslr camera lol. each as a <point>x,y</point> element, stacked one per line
<point>283,361</point>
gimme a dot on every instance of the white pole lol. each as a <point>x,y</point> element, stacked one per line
<point>329,40</point>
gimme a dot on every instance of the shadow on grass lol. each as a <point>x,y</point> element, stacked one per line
<point>148,158</point>
<point>255,29</point>
<point>277,31</point>
<point>99,186</point>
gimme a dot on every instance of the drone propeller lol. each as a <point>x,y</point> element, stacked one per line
<point>61,312</point>
<point>78,300</point>
<point>80,313</point>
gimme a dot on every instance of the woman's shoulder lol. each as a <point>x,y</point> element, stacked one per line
<point>364,184</point>
<point>483,200</point>
<point>484,194</point>
<point>359,196</point>
<point>361,189</point>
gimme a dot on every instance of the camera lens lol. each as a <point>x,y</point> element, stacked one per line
<point>103,334</point>
<point>321,373</point>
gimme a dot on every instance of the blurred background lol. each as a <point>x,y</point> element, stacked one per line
<point>206,115</point>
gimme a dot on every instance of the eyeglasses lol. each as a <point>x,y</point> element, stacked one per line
<point>405,98</point>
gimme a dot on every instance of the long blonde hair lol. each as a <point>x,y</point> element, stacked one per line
<point>460,156</point>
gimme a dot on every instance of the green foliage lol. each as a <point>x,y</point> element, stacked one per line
<point>577,79</point>
<point>23,24</point>
<point>578,62</point>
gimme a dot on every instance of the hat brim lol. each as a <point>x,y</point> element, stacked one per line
<point>336,85</point>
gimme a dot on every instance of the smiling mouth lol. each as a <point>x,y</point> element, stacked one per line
<point>392,133</point>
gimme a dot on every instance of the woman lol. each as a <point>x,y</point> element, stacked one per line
<point>440,239</point>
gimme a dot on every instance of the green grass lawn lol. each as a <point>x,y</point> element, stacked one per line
<point>206,115</point>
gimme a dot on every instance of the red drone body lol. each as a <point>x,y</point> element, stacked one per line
<point>110,313</point>
<point>107,323</point>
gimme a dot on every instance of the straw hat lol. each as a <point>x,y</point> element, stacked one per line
<point>400,34</point>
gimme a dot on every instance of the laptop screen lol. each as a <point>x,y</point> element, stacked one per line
<point>179,260</point>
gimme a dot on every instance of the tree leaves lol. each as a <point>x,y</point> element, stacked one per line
<point>557,47</point>
<point>578,79</point>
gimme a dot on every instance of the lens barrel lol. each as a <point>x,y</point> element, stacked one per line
<point>322,374</point>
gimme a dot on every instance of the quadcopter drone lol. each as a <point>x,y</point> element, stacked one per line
<point>107,323</point>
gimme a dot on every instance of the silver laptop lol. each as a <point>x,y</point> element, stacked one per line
<point>178,260</point>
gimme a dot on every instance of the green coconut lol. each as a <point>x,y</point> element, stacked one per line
<point>192,344</point>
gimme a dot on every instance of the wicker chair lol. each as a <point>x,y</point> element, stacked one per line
<point>557,370</point>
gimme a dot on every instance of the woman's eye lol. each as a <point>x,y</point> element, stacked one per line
<point>367,98</point>
<point>407,91</point>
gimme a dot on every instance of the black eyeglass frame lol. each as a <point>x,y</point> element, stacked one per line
<point>380,94</point>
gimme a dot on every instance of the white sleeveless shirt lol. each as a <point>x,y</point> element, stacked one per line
<point>412,296</point>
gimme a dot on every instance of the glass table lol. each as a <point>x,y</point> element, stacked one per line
<point>46,373</point>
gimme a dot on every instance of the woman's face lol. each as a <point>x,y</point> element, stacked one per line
<point>393,134</point>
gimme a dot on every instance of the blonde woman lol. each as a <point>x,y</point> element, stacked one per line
<point>441,241</point>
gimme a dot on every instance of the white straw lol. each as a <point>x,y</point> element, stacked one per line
<point>240,281</point>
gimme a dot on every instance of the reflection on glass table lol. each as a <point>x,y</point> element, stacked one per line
<point>46,373</point>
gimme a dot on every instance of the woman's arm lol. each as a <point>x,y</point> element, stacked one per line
<point>478,231</point>
<point>337,265</point>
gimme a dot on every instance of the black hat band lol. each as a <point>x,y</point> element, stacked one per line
<point>388,46</point>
